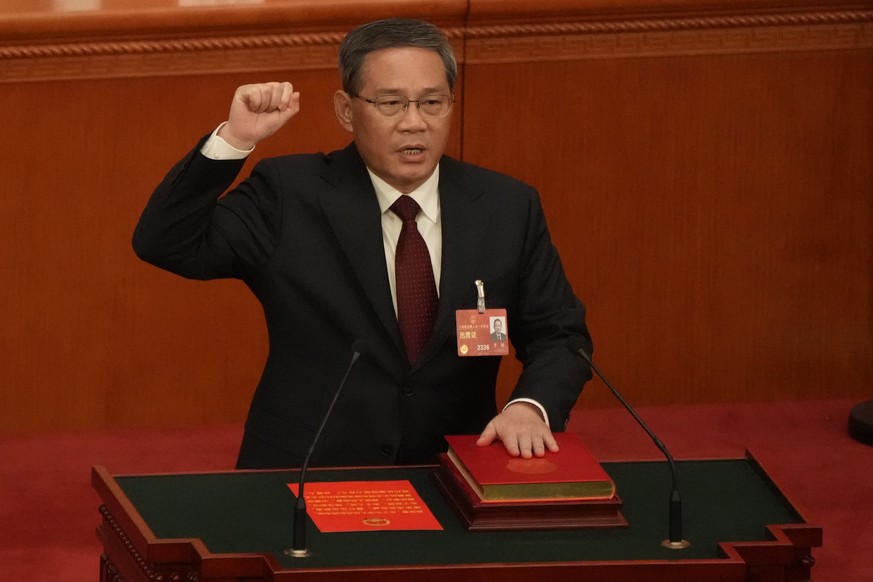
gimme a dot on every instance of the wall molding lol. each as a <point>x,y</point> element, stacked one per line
<point>669,37</point>
<point>145,58</point>
<point>477,43</point>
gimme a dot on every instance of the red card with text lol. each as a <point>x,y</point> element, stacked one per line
<point>346,506</point>
<point>482,334</point>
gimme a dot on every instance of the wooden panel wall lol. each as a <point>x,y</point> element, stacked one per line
<point>709,181</point>
<point>707,170</point>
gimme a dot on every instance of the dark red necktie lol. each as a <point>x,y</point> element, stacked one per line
<point>416,289</point>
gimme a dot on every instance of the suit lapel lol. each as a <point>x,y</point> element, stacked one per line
<point>463,228</point>
<point>353,212</point>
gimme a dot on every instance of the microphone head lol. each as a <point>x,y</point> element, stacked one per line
<point>359,347</point>
<point>576,343</point>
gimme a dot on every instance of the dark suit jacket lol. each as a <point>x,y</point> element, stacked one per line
<point>304,233</point>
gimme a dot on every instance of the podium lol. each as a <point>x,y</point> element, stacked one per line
<point>234,526</point>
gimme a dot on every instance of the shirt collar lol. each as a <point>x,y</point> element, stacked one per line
<point>427,195</point>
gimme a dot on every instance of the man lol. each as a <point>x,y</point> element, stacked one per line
<point>497,335</point>
<point>315,237</point>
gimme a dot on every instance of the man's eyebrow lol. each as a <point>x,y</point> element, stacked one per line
<point>425,91</point>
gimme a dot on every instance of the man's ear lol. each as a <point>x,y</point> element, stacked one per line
<point>342,106</point>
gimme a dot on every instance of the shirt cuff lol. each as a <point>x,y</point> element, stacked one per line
<point>215,148</point>
<point>535,403</point>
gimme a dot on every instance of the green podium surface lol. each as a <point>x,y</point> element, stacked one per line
<point>235,526</point>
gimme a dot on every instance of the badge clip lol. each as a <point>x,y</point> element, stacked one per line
<point>480,295</point>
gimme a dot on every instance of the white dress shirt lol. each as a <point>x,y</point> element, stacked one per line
<point>428,221</point>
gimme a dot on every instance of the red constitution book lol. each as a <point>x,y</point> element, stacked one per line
<point>570,474</point>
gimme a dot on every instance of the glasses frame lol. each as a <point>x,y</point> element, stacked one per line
<point>405,104</point>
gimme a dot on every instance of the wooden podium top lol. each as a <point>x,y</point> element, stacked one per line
<point>236,525</point>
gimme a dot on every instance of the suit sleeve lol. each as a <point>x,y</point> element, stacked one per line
<point>548,314</point>
<point>188,228</point>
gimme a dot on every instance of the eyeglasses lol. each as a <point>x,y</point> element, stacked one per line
<point>431,105</point>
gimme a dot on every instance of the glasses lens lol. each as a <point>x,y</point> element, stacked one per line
<point>435,105</point>
<point>390,105</point>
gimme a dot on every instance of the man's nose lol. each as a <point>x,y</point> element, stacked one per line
<point>411,117</point>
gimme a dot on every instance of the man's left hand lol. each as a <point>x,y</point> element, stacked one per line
<point>521,429</point>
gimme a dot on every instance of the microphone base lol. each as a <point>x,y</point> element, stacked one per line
<point>861,422</point>
<point>295,553</point>
<point>680,545</point>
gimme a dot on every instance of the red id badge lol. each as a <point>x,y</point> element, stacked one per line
<point>482,334</point>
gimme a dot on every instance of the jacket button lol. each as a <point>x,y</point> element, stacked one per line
<point>387,450</point>
<point>407,390</point>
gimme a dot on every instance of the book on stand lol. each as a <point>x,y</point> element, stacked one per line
<point>572,473</point>
<point>490,490</point>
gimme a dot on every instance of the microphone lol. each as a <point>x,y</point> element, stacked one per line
<point>674,542</point>
<point>298,544</point>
